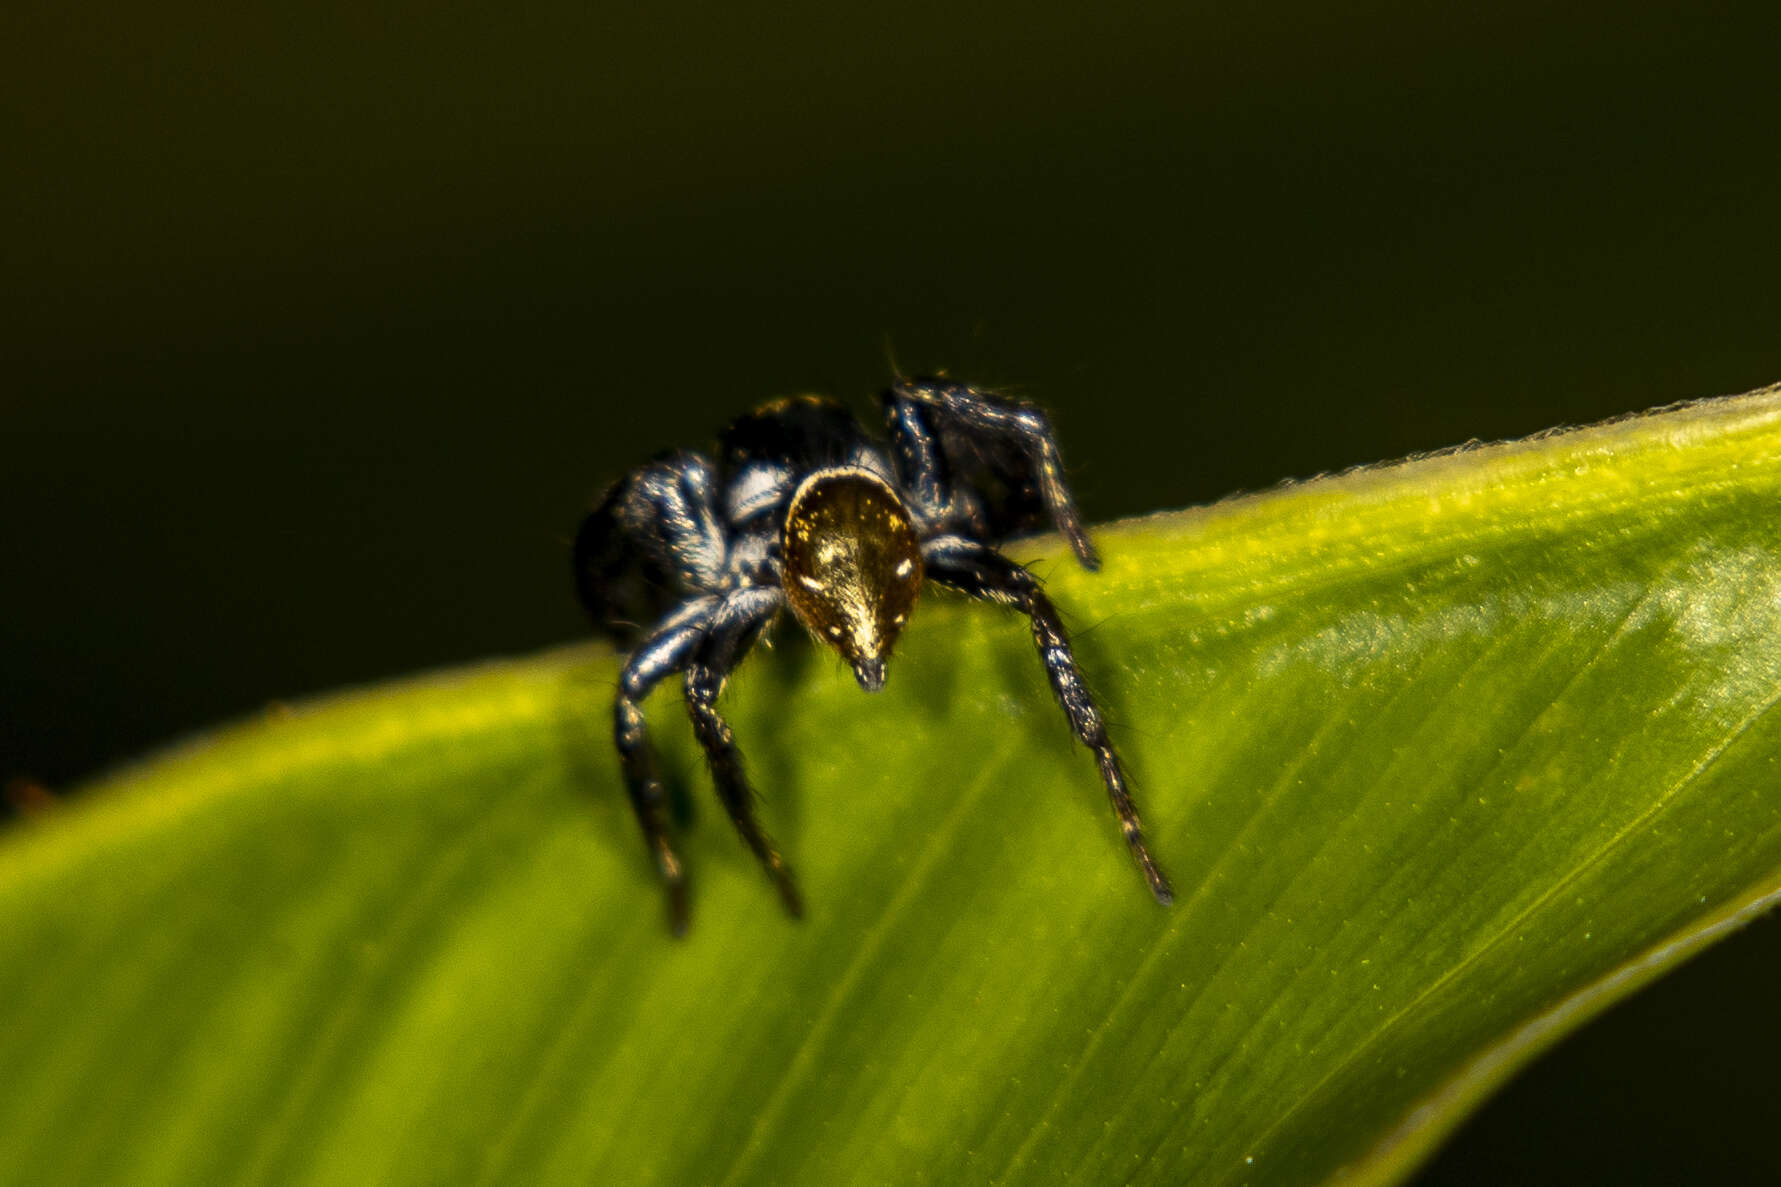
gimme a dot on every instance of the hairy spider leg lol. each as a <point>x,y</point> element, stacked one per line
<point>921,466</point>
<point>982,572</point>
<point>978,418</point>
<point>705,642</point>
<point>736,624</point>
<point>657,657</point>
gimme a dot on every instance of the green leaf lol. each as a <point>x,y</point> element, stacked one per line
<point>1442,757</point>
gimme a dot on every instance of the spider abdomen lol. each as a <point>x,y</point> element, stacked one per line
<point>851,565</point>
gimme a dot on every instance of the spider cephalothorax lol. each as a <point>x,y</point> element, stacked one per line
<point>685,563</point>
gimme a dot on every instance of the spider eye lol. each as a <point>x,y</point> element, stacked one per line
<point>852,566</point>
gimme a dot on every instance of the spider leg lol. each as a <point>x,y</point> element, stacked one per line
<point>733,630</point>
<point>920,461</point>
<point>984,573</point>
<point>921,410</point>
<point>663,653</point>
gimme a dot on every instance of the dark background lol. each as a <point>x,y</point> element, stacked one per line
<point>319,326</point>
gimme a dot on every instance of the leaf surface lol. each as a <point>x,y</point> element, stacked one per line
<point>1442,757</point>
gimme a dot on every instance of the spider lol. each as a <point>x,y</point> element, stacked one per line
<point>686,562</point>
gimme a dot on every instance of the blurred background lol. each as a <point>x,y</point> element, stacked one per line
<point>321,325</point>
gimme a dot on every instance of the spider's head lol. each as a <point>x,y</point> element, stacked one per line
<point>851,564</point>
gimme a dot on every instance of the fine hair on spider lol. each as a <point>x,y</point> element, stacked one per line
<point>689,558</point>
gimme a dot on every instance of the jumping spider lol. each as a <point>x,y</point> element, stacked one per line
<point>685,563</point>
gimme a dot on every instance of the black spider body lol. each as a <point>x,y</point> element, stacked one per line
<point>685,562</point>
